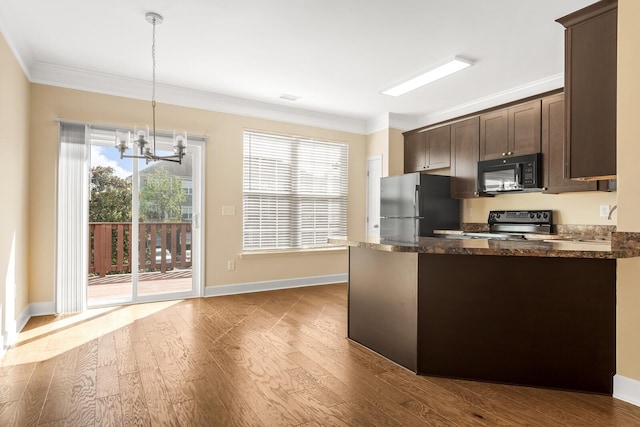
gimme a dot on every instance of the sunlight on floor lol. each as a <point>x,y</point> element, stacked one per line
<point>72,330</point>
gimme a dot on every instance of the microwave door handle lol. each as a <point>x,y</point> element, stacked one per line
<point>519,183</point>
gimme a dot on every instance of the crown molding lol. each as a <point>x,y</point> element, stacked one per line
<point>11,34</point>
<point>377,123</point>
<point>519,92</point>
<point>109,84</point>
<point>384,121</point>
<point>404,122</point>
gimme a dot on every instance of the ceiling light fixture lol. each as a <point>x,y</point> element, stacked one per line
<point>141,135</point>
<point>434,73</point>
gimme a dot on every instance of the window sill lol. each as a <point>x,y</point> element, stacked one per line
<point>293,251</point>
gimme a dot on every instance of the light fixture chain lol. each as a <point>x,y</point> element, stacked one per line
<point>153,59</point>
<point>142,135</point>
<point>153,88</point>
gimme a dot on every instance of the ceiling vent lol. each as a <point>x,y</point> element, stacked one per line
<point>288,97</point>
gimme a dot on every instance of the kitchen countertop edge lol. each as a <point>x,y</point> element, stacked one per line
<point>622,245</point>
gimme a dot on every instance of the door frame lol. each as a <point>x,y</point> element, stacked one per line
<point>197,247</point>
<point>197,237</point>
<point>368,203</point>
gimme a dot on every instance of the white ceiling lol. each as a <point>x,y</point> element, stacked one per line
<point>336,55</point>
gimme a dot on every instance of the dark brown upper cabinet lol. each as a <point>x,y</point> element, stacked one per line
<point>465,148</point>
<point>512,131</point>
<point>555,163</point>
<point>427,150</point>
<point>414,152</point>
<point>590,90</point>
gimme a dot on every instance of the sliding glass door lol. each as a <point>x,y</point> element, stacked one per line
<point>144,234</point>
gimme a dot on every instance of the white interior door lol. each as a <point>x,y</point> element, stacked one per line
<point>374,173</point>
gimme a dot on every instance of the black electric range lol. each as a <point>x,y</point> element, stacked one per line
<point>511,225</point>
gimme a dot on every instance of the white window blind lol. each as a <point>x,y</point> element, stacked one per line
<point>294,191</point>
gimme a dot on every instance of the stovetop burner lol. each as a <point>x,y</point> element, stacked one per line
<point>511,225</point>
<point>528,221</point>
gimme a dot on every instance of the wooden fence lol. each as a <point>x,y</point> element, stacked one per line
<point>162,246</point>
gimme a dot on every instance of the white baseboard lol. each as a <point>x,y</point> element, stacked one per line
<point>34,309</point>
<point>271,285</point>
<point>42,308</point>
<point>626,389</point>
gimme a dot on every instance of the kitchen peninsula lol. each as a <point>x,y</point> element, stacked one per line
<point>539,313</point>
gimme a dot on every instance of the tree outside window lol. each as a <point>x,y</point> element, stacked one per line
<point>161,197</point>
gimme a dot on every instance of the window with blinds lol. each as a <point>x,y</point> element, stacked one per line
<point>294,191</point>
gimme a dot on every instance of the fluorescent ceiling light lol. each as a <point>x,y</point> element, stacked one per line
<point>451,66</point>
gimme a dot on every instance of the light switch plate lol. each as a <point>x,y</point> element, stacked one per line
<point>228,210</point>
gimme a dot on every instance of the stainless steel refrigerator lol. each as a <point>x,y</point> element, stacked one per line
<point>414,204</point>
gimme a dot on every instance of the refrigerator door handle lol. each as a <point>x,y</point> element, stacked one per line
<point>416,196</point>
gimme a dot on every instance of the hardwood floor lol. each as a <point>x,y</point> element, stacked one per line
<point>149,283</point>
<point>271,358</point>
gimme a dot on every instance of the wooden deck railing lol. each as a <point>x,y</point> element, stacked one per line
<point>162,246</point>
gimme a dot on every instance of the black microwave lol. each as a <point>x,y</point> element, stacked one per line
<point>511,174</point>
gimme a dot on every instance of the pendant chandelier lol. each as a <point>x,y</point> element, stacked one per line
<point>145,141</point>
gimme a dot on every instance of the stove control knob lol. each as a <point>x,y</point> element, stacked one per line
<point>538,215</point>
<point>532,215</point>
<point>545,215</point>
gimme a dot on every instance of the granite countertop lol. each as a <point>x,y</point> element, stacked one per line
<point>621,245</point>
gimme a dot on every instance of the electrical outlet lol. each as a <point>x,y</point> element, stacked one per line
<point>604,211</point>
<point>469,212</point>
<point>231,265</point>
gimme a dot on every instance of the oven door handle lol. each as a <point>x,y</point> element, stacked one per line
<point>519,182</point>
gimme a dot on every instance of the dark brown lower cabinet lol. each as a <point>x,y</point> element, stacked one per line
<point>383,303</point>
<point>546,322</point>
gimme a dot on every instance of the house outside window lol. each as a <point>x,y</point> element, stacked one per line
<point>188,186</point>
<point>187,213</point>
<point>294,191</point>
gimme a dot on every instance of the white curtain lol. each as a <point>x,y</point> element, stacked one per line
<point>72,218</point>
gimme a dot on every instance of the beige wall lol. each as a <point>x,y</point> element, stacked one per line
<point>378,145</point>
<point>569,208</point>
<point>14,174</point>
<point>628,317</point>
<point>396,152</point>
<point>223,181</point>
<point>388,143</point>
